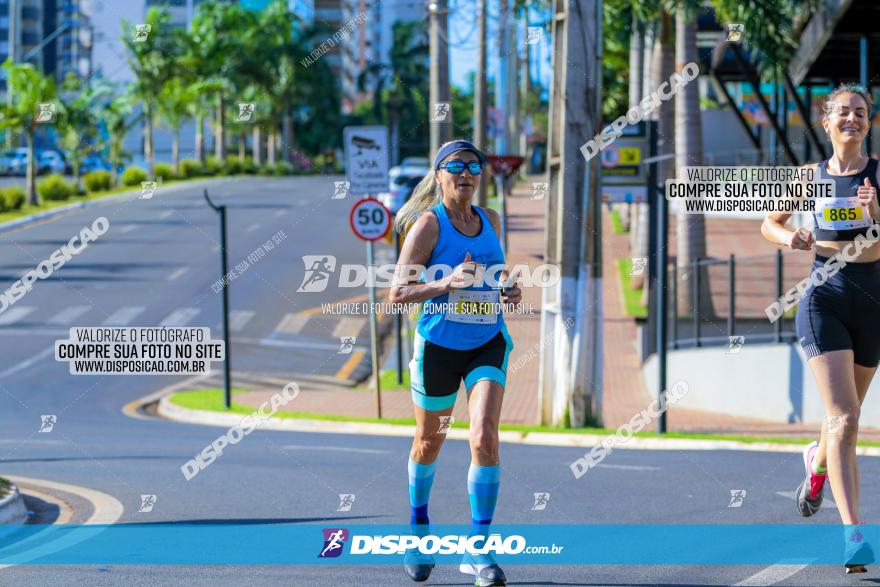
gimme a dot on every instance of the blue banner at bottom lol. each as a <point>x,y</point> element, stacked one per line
<point>310,544</point>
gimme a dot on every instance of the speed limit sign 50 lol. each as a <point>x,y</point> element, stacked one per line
<point>369,219</point>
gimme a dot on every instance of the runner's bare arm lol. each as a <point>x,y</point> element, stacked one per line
<point>416,251</point>
<point>774,230</point>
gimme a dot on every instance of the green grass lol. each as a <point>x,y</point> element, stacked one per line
<point>4,487</point>
<point>45,205</point>
<point>617,223</point>
<point>212,400</point>
<point>632,298</point>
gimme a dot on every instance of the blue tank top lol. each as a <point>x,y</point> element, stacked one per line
<point>451,248</point>
<point>846,186</point>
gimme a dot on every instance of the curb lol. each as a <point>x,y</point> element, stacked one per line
<point>12,508</point>
<point>170,411</point>
<point>13,224</point>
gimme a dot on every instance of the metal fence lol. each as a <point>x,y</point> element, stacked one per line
<point>712,300</point>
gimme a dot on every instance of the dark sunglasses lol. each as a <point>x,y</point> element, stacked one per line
<point>456,167</point>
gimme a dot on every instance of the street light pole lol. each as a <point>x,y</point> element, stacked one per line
<point>224,264</point>
<point>441,132</point>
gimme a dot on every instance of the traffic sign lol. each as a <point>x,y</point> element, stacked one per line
<point>366,159</point>
<point>369,219</point>
<point>505,164</point>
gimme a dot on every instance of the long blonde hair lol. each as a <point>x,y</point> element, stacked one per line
<point>425,196</point>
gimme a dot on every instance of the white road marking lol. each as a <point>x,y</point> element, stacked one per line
<point>793,495</point>
<point>28,362</point>
<point>349,327</point>
<point>68,315</point>
<point>294,344</point>
<point>772,575</point>
<point>123,316</point>
<point>253,227</point>
<point>180,317</point>
<point>629,467</point>
<point>106,511</point>
<point>238,319</point>
<point>292,323</point>
<point>335,448</point>
<point>126,229</point>
<point>13,315</point>
<point>177,273</point>
<point>280,213</point>
<point>165,214</point>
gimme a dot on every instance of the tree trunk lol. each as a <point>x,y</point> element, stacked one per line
<point>662,66</point>
<point>31,180</point>
<point>257,147</point>
<point>270,146</point>
<point>242,145</point>
<point>691,228</point>
<point>175,150</point>
<point>220,131</point>
<point>287,136</point>
<point>200,139</point>
<point>148,138</point>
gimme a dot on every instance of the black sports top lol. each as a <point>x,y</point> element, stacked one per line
<point>850,222</point>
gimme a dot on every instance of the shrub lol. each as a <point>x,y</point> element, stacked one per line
<point>97,181</point>
<point>284,168</point>
<point>13,197</point>
<point>189,168</point>
<point>233,165</point>
<point>213,166</point>
<point>55,188</point>
<point>267,169</point>
<point>248,166</point>
<point>133,176</point>
<point>163,170</point>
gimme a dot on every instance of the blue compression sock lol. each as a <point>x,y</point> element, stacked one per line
<point>420,479</point>
<point>483,484</point>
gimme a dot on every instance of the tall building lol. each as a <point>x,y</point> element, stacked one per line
<point>28,32</point>
<point>371,42</point>
<point>70,51</point>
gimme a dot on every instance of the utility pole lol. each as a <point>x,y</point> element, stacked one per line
<point>480,94</point>
<point>570,377</point>
<point>441,130</point>
<point>501,146</point>
<point>13,55</point>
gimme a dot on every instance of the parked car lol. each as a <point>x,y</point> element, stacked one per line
<point>94,163</point>
<point>402,180</point>
<point>50,162</point>
<point>14,161</point>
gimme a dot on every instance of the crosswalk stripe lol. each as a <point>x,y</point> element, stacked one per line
<point>238,319</point>
<point>68,315</point>
<point>349,327</point>
<point>123,316</point>
<point>126,228</point>
<point>180,317</point>
<point>165,214</point>
<point>177,273</point>
<point>13,315</point>
<point>292,323</point>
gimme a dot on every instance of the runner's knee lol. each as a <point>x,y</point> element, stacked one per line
<point>843,426</point>
<point>484,443</point>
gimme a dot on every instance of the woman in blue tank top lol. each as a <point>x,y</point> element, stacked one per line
<point>838,317</point>
<point>460,336</point>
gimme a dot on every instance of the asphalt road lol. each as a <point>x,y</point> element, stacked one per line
<point>157,263</point>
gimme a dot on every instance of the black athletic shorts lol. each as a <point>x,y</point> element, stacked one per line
<point>842,313</point>
<point>436,372</point>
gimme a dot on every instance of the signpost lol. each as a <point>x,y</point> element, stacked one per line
<point>224,269</point>
<point>366,163</point>
<point>504,166</point>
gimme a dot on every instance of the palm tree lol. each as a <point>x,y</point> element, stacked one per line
<point>173,104</point>
<point>215,54</point>
<point>118,117</point>
<point>32,88</point>
<point>153,62</point>
<point>78,131</point>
